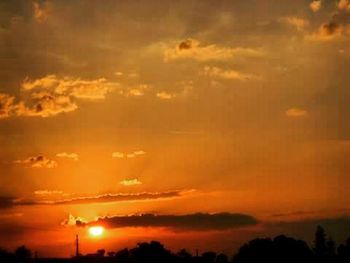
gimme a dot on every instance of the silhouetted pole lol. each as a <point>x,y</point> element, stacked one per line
<point>76,245</point>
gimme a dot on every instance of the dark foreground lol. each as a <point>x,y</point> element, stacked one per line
<point>280,249</point>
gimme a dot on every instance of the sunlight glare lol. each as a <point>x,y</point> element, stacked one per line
<point>96,231</point>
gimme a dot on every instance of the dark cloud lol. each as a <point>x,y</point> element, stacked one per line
<point>105,198</point>
<point>197,221</point>
<point>187,44</point>
<point>6,202</point>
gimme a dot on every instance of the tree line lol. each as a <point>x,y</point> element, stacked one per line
<point>281,249</point>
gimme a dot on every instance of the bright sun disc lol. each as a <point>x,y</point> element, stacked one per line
<point>96,231</point>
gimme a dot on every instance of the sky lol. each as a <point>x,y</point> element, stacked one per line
<point>201,124</point>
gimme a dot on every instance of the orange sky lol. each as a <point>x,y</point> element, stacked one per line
<point>121,108</point>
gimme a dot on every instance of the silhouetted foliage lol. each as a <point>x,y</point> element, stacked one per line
<point>280,249</point>
<point>23,254</point>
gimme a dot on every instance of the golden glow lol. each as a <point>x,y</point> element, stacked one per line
<point>96,231</point>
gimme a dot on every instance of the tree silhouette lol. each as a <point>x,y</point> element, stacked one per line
<point>23,254</point>
<point>320,247</point>
<point>281,249</point>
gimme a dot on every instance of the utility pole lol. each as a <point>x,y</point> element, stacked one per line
<point>76,245</point>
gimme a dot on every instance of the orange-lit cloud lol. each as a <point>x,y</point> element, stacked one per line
<point>299,23</point>
<point>315,5</point>
<point>165,95</point>
<point>344,5</point>
<point>7,106</point>
<point>136,91</point>
<point>230,74</point>
<point>48,192</point>
<point>327,31</point>
<point>193,49</point>
<point>128,155</point>
<point>41,11</point>
<point>52,95</point>
<point>130,182</point>
<point>73,156</point>
<point>72,221</point>
<point>39,161</point>
<point>296,113</point>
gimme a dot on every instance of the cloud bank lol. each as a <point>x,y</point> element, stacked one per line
<point>197,221</point>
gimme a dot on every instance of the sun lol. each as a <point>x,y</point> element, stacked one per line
<point>96,231</point>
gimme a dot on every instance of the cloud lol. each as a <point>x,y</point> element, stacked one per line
<point>39,161</point>
<point>192,49</point>
<point>40,11</point>
<point>165,95</point>
<point>7,106</point>
<point>327,31</point>
<point>130,182</point>
<point>296,113</point>
<point>51,95</point>
<point>315,5</point>
<point>299,23</point>
<point>72,221</point>
<point>92,199</point>
<point>48,192</point>
<point>74,87</point>
<point>226,74</point>
<point>118,155</point>
<point>73,156</point>
<point>136,91</point>
<point>344,5</point>
<point>128,155</point>
<point>197,221</point>
<point>45,104</point>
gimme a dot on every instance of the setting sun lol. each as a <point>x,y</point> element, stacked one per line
<point>96,231</point>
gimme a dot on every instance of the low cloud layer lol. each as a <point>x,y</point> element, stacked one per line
<point>197,221</point>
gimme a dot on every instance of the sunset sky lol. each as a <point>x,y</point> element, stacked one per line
<point>201,124</point>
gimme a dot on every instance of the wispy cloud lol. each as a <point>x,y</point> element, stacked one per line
<point>39,161</point>
<point>130,182</point>
<point>299,23</point>
<point>193,49</point>
<point>195,222</point>
<point>165,95</point>
<point>7,105</point>
<point>6,201</point>
<point>72,156</point>
<point>48,192</point>
<point>128,155</point>
<point>229,74</point>
<point>296,113</point>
